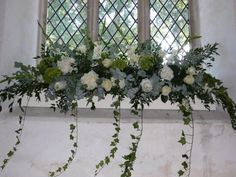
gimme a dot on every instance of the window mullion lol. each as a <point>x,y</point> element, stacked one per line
<point>93,16</point>
<point>194,22</point>
<point>143,20</point>
<point>42,19</point>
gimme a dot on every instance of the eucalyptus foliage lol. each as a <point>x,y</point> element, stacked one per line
<point>142,74</point>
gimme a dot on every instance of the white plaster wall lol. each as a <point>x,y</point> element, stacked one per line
<point>45,145</point>
<point>218,24</point>
<point>18,33</point>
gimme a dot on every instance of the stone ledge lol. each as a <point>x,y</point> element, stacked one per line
<point>104,115</point>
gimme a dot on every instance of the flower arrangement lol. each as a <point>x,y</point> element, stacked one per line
<point>142,74</point>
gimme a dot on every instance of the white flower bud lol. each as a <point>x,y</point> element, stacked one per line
<point>165,90</point>
<point>107,84</point>
<point>107,63</point>
<point>189,79</point>
<point>191,70</point>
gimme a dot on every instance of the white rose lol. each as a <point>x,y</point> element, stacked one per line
<point>65,64</point>
<point>191,70</point>
<point>146,85</point>
<point>167,73</point>
<point>107,84</point>
<point>162,53</point>
<point>82,49</point>
<point>122,83</point>
<point>107,63</point>
<point>165,90</point>
<point>60,85</point>
<point>90,80</point>
<point>97,51</point>
<point>189,79</point>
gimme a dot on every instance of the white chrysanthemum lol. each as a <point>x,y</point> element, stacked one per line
<point>82,49</point>
<point>132,56</point>
<point>107,62</point>
<point>146,85</point>
<point>189,79</point>
<point>90,80</point>
<point>122,83</point>
<point>107,84</point>
<point>65,64</point>
<point>191,70</point>
<point>167,73</point>
<point>97,51</point>
<point>165,90</point>
<point>60,85</point>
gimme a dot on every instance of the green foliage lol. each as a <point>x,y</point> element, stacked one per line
<point>146,62</point>
<point>50,74</point>
<point>120,64</point>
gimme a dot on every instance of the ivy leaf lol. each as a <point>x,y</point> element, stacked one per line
<point>135,125</point>
<point>185,165</point>
<point>182,140</point>
<point>181,172</point>
<point>164,99</point>
<point>107,160</point>
<point>185,156</point>
<point>186,120</point>
<point>10,153</point>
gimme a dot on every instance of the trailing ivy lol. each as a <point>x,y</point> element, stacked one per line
<point>128,165</point>
<point>186,139</point>
<point>74,131</point>
<point>18,132</point>
<point>115,137</point>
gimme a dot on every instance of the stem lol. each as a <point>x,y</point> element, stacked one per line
<point>191,148</point>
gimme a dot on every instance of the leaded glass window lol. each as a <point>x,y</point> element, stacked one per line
<point>118,22</point>
<point>66,21</point>
<point>170,23</point>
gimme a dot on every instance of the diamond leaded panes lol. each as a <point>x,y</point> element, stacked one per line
<point>66,21</point>
<point>118,22</point>
<point>170,23</point>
